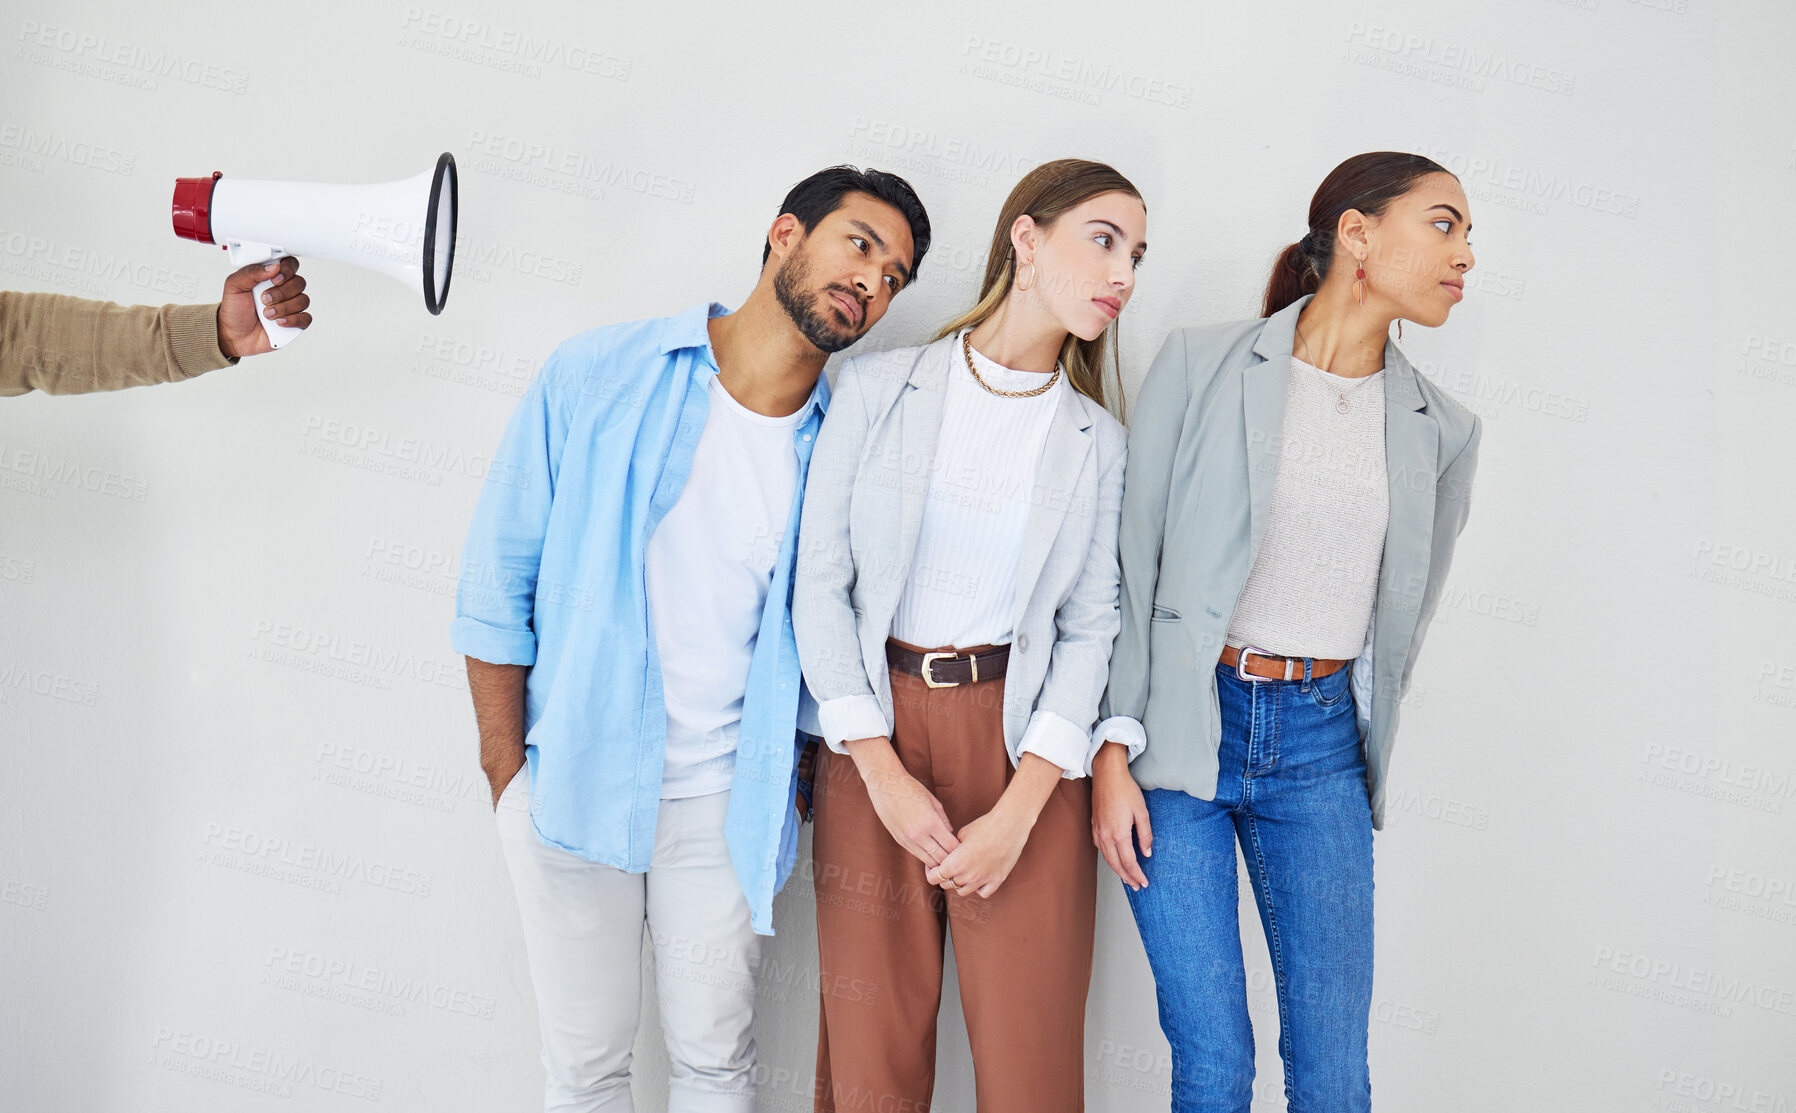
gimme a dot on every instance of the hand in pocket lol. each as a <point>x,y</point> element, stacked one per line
<point>499,787</point>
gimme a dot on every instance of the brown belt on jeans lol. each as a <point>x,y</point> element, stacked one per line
<point>1274,667</point>
<point>944,669</point>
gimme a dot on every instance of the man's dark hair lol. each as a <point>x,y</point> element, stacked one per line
<point>821,194</point>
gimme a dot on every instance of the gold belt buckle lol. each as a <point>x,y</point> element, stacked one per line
<point>929,678</point>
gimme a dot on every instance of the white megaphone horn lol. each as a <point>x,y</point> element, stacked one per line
<point>405,229</point>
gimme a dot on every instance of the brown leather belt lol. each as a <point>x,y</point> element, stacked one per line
<point>943,669</point>
<point>1271,666</point>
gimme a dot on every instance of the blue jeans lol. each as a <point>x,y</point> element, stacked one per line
<point>1292,788</point>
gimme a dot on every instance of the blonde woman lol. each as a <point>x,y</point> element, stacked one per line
<point>955,607</point>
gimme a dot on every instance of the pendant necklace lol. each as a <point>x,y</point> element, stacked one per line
<point>1341,405</point>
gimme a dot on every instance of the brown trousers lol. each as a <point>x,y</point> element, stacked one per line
<point>1023,955</point>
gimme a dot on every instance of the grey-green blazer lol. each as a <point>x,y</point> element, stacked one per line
<point>1203,454</point>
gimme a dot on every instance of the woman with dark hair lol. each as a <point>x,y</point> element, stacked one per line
<point>955,609</point>
<point>1294,491</point>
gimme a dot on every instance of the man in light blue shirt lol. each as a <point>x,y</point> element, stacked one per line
<point>661,760</point>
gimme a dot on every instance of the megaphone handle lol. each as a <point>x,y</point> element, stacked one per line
<point>278,334</point>
<point>243,254</point>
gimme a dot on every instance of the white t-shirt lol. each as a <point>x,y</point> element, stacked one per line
<point>962,585</point>
<point>710,563</point>
<point>1314,580</point>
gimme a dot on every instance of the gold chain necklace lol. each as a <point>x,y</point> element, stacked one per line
<point>966,347</point>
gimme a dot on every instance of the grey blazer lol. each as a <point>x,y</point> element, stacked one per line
<point>1203,454</point>
<point>863,509</point>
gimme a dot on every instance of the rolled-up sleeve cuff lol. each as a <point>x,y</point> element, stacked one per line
<point>849,719</point>
<point>1117,728</point>
<point>1059,740</point>
<point>193,338</point>
<point>493,644</point>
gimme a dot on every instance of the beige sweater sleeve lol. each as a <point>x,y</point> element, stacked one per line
<point>67,345</point>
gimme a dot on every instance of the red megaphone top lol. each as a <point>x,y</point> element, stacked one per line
<point>193,207</point>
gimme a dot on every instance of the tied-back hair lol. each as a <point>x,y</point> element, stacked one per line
<point>1045,193</point>
<point>1369,183</point>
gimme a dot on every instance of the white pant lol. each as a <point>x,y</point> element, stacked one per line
<point>583,933</point>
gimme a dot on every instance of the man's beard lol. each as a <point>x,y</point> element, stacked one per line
<point>817,327</point>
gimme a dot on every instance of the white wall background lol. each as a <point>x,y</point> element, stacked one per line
<point>1587,888</point>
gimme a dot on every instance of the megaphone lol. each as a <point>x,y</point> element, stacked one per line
<point>405,229</point>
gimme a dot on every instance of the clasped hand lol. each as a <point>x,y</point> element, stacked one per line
<point>975,860</point>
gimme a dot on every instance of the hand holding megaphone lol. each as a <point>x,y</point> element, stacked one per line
<point>403,229</point>
<point>242,312</point>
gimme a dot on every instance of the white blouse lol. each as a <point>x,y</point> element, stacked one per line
<point>961,590</point>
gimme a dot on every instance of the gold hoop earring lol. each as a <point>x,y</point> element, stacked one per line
<point>1020,284</point>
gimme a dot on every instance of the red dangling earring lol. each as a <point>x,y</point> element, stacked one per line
<point>1359,283</point>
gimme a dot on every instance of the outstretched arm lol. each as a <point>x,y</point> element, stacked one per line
<point>60,344</point>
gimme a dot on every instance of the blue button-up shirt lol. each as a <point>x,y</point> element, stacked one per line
<point>552,577</point>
